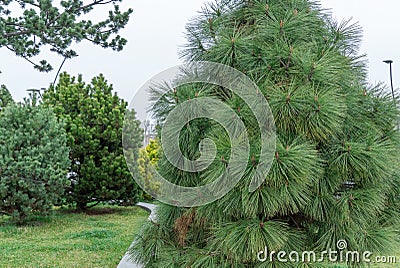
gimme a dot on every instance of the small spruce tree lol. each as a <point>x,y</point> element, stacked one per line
<point>334,175</point>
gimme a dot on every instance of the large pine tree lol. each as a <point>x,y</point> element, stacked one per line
<point>334,174</point>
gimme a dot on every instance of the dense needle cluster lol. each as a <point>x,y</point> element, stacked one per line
<point>334,173</point>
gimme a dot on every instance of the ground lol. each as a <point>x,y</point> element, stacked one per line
<point>98,238</point>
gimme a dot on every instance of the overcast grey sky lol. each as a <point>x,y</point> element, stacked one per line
<point>156,30</point>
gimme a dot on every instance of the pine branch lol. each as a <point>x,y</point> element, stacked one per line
<point>24,57</point>
<point>5,213</point>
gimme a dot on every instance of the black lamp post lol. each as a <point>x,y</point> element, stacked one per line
<point>391,75</point>
<point>36,91</point>
<point>35,95</point>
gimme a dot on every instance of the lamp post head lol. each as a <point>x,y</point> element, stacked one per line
<point>35,91</point>
<point>388,61</point>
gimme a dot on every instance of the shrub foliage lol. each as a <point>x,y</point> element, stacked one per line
<point>33,160</point>
<point>93,117</point>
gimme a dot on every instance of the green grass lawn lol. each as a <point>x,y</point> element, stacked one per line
<point>98,238</point>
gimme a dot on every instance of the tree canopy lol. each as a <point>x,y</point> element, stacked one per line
<point>334,175</point>
<point>5,97</point>
<point>93,116</point>
<point>27,26</point>
<point>33,160</point>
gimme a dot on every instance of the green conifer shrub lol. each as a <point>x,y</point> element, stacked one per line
<point>93,116</point>
<point>33,160</point>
